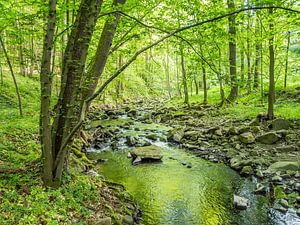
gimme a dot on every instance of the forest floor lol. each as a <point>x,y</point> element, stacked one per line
<point>232,135</point>
<point>84,197</point>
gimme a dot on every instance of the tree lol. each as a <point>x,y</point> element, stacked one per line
<point>232,54</point>
<point>271,96</point>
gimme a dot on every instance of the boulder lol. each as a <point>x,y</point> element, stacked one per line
<point>240,202</point>
<point>284,166</point>
<point>233,131</point>
<point>280,124</point>
<point>247,138</point>
<point>175,135</point>
<point>247,170</point>
<point>268,138</point>
<point>261,189</point>
<point>147,153</point>
<point>104,221</point>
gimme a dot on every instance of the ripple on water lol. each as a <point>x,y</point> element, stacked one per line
<point>171,193</point>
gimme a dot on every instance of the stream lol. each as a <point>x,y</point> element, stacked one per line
<point>183,188</point>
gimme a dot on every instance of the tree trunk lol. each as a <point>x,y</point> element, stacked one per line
<point>242,67</point>
<point>204,84</point>
<point>196,85</point>
<point>104,44</point>
<point>232,54</point>
<point>168,72</point>
<point>46,87</point>
<point>177,76</point>
<point>13,76</point>
<point>271,98</point>
<point>184,80</point>
<point>287,59</point>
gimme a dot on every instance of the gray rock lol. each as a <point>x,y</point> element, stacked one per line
<point>218,132</point>
<point>175,135</point>
<point>233,131</point>
<point>261,189</point>
<point>284,203</point>
<point>131,141</point>
<point>137,161</point>
<point>277,178</point>
<point>151,152</point>
<point>268,138</point>
<point>298,212</point>
<point>284,166</point>
<point>280,124</point>
<point>297,187</point>
<point>280,208</point>
<point>127,220</point>
<point>247,138</point>
<point>104,221</point>
<point>240,202</point>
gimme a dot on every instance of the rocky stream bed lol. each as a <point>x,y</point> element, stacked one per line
<point>184,140</point>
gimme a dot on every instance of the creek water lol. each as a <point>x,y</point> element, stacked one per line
<point>171,193</point>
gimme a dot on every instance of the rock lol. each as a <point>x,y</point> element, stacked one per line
<point>131,141</point>
<point>284,166</point>
<point>104,221</point>
<point>240,202</point>
<point>218,132</point>
<point>261,189</point>
<point>151,152</point>
<point>255,129</point>
<point>280,124</point>
<point>280,208</point>
<point>247,138</point>
<point>277,178</point>
<point>287,148</point>
<point>268,138</point>
<point>297,187</point>
<point>189,165</point>
<point>212,130</point>
<point>233,131</point>
<point>298,212</point>
<point>137,161</point>
<point>237,163</point>
<point>93,173</point>
<point>298,199</point>
<point>175,135</point>
<point>284,203</point>
<point>127,220</point>
<point>244,129</point>
<point>247,170</point>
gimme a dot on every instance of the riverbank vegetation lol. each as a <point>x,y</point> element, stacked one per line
<point>61,59</point>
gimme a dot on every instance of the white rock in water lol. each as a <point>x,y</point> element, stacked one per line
<point>240,202</point>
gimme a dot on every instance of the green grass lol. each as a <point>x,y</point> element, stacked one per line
<point>23,198</point>
<point>249,105</point>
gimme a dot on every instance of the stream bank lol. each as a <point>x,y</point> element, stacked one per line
<point>208,135</point>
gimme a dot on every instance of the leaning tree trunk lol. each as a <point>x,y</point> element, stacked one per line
<point>232,54</point>
<point>271,97</point>
<point>13,76</point>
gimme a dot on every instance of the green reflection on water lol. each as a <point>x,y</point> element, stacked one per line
<point>170,193</point>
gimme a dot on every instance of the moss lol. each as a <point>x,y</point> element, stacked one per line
<point>279,192</point>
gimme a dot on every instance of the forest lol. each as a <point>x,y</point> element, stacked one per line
<point>150,112</point>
